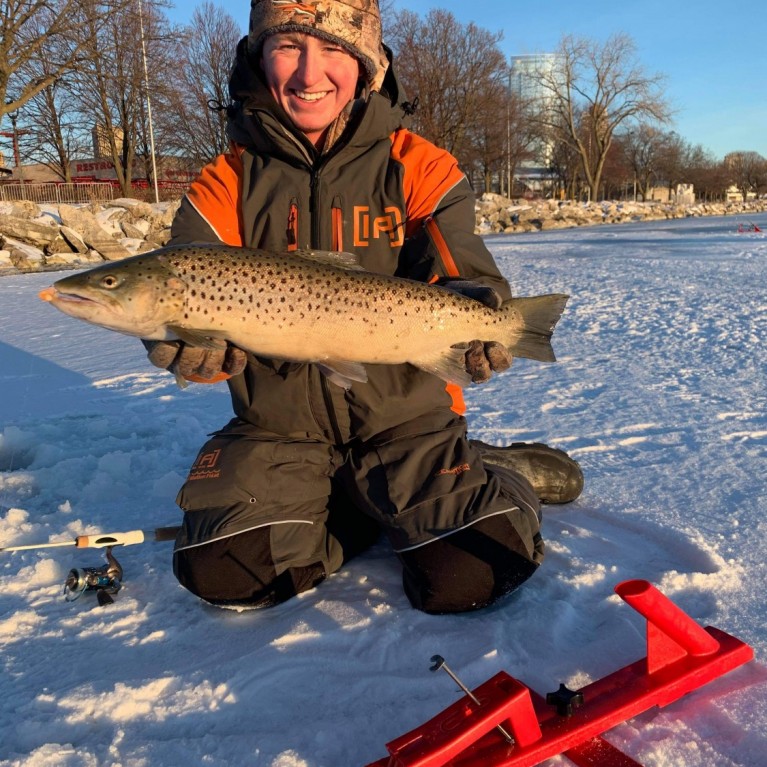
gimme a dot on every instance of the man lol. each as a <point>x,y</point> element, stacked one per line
<point>308,474</point>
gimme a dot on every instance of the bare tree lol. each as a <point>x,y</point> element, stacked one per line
<point>33,30</point>
<point>593,90</point>
<point>52,131</point>
<point>673,161</point>
<point>194,120</point>
<point>707,174</point>
<point>617,175</point>
<point>748,172</point>
<point>109,85</point>
<point>452,69</point>
<point>642,147</point>
<point>565,166</point>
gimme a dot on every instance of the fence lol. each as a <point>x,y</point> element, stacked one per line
<point>80,192</point>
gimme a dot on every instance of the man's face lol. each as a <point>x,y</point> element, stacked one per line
<point>311,79</point>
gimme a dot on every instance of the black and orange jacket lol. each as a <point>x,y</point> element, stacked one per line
<point>396,201</point>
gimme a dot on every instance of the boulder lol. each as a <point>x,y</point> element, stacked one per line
<point>27,230</point>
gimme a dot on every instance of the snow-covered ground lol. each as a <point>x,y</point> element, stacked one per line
<point>659,393</point>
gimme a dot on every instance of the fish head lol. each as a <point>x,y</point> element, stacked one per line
<point>138,296</point>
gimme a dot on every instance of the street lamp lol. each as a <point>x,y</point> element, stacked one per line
<point>14,136</point>
<point>148,102</point>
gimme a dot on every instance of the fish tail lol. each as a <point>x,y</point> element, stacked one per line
<point>540,315</point>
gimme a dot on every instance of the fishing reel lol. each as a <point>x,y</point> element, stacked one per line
<point>104,580</point>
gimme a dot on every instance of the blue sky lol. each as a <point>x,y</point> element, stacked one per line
<point>714,54</point>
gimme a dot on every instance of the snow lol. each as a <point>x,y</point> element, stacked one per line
<point>659,393</point>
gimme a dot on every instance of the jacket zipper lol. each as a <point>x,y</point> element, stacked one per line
<point>337,221</point>
<point>315,208</point>
<point>292,230</point>
<point>315,212</point>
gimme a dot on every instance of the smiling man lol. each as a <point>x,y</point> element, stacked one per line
<point>308,474</point>
<point>312,79</point>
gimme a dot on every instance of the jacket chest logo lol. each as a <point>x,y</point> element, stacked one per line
<point>369,227</point>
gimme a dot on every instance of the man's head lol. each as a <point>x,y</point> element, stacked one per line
<point>355,25</point>
<point>315,55</point>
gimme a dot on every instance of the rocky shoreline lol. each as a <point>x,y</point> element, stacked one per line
<point>496,214</point>
<point>50,237</point>
<point>53,237</point>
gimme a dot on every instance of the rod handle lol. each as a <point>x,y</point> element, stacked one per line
<point>101,540</point>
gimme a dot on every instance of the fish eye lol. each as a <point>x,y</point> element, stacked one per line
<point>109,282</point>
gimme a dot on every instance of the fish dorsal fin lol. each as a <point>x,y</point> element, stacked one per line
<point>207,339</point>
<point>342,373</point>
<point>337,258</point>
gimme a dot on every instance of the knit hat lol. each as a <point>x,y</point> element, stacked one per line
<point>353,24</point>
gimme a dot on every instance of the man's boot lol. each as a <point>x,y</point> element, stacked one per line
<point>555,477</point>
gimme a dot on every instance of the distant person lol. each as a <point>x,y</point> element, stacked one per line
<point>308,474</point>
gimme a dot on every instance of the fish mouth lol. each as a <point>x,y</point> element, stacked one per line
<point>52,295</point>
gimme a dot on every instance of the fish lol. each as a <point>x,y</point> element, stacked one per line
<point>302,306</point>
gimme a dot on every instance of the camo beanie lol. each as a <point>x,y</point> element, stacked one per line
<point>353,24</point>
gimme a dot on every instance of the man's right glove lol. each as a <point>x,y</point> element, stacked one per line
<point>194,363</point>
<point>482,359</point>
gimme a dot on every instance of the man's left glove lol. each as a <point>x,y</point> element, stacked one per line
<point>195,363</point>
<point>482,358</point>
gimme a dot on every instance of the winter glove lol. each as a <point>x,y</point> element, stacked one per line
<point>471,289</point>
<point>195,363</point>
<point>482,359</point>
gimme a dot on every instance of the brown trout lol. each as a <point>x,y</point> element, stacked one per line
<point>310,306</point>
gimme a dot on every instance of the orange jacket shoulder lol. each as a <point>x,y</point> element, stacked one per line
<point>215,195</point>
<point>430,173</point>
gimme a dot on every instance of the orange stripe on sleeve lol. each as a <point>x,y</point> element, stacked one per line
<point>444,252</point>
<point>215,195</point>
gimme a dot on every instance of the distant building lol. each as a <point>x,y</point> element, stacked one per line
<point>683,194</point>
<point>170,171</point>
<point>100,137</point>
<point>525,74</point>
<point>736,195</point>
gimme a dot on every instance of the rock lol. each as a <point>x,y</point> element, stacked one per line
<point>137,208</point>
<point>73,238</point>
<point>132,231</point>
<point>64,259</point>
<point>93,234</point>
<point>59,245</point>
<point>29,231</point>
<point>103,242</point>
<point>159,239</point>
<point>77,218</point>
<point>26,257</point>
<point>25,209</point>
<point>136,245</point>
<point>110,220</point>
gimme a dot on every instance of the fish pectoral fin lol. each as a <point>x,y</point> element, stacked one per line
<point>207,339</point>
<point>449,365</point>
<point>343,373</point>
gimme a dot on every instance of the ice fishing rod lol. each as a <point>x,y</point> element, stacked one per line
<point>107,579</point>
<point>102,540</point>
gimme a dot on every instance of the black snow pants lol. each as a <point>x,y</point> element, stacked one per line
<point>267,517</point>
